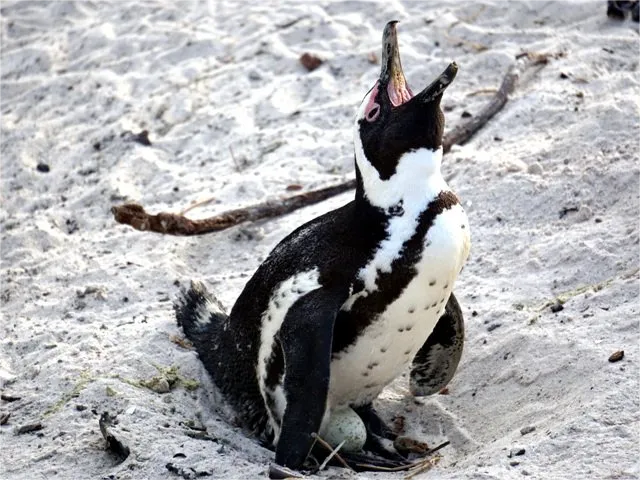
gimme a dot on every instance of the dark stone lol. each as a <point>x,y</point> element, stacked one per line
<point>557,307</point>
<point>526,430</point>
<point>43,167</point>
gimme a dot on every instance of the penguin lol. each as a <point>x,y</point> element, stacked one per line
<point>350,300</point>
<point>618,10</point>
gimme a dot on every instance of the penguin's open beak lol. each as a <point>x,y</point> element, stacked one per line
<point>393,77</point>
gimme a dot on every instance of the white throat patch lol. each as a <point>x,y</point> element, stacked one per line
<point>417,174</point>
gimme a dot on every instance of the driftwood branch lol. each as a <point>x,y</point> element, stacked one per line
<point>177,224</point>
<point>463,133</point>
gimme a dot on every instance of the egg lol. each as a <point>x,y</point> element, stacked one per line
<point>345,425</point>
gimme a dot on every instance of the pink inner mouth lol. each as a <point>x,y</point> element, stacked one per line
<point>399,92</point>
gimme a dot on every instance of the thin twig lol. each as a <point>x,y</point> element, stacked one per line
<point>408,466</point>
<point>426,465</point>
<point>439,447</point>
<point>331,455</point>
<point>463,133</point>
<point>176,224</point>
<point>322,442</point>
<point>197,204</point>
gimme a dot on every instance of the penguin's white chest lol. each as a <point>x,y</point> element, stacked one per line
<point>388,344</point>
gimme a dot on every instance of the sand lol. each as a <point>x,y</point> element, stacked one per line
<point>551,186</point>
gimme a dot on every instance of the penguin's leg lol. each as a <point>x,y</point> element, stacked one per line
<point>377,430</point>
<point>614,11</point>
<point>306,337</point>
<point>635,12</point>
<point>437,360</point>
<point>373,422</point>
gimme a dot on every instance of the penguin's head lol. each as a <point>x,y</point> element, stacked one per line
<point>393,122</point>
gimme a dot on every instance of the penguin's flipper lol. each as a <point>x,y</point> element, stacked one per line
<point>436,362</point>
<point>306,337</point>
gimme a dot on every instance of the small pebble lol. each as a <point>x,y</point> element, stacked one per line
<point>616,356</point>
<point>31,427</point>
<point>557,307</point>
<point>310,61</point>
<point>535,169</point>
<point>527,429</point>
<point>514,165</point>
<point>516,452</point>
<point>43,167</point>
<point>584,213</point>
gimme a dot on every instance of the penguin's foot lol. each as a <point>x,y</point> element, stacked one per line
<point>373,423</point>
<point>618,10</point>
<point>614,11</point>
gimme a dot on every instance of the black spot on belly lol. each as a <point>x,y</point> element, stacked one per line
<point>390,285</point>
<point>372,365</point>
<point>365,374</point>
<point>442,300</point>
<point>463,226</point>
<point>446,286</point>
<point>383,350</point>
<point>433,304</point>
<point>407,352</point>
<point>408,329</point>
<point>411,310</point>
<point>370,385</point>
<point>396,210</point>
<point>283,294</point>
<point>432,283</point>
<point>276,304</point>
<point>401,330</point>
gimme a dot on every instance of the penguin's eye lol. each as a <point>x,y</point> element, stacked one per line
<point>373,113</point>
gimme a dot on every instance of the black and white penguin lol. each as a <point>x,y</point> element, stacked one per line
<point>344,304</point>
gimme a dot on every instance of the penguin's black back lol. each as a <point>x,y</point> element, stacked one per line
<point>337,243</point>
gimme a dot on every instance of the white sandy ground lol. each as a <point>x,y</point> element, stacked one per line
<point>86,303</point>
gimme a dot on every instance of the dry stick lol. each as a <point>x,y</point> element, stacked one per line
<point>462,133</point>
<point>174,224</point>
<point>322,442</point>
<point>407,466</point>
<point>427,465</point>
<point>331,455</point>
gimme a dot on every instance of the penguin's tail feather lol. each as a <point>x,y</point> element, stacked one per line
<point>203,319</point>
<point>200,315</point>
